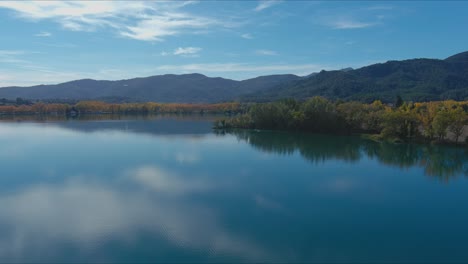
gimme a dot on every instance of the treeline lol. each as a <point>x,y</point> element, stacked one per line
<point>442,120</point>
<point>17,102</point>
<point>97,107</point>
<point>151,107</point>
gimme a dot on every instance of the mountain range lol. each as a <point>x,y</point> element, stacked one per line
<point>185,88</point>
<point>415,80</point>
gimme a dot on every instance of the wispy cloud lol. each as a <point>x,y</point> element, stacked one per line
<point>353,18</point>
<point>266,4</point>
<point>146,21</point>
<point>14,58</point>
<point>4,53</point>
<point>345,21</point>
<point>184,52</point>
<point>380,7</point>
<point>247,36</point>
<point>349,24</point>
<point>43,34</point>
<point>21,63</point>
<point>156,27</point>
<point>265,52</point>
<point>37,74</point>
<point>187,51</point>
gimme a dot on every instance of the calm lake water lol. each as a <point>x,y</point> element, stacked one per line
<point>169,189</point>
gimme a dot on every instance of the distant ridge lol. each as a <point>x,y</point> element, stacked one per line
<point>185,88</point>
<point>458,58</point>
<point>414,80</point>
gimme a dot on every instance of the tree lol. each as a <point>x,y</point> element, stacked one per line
<point>320,116</point>
<point>398,101</point>
<point>354,113</point>
<point>426,113</point>
<point>458,119</point>
<point>401,124</point>
<point>20,101</point>
<point>441,122</point>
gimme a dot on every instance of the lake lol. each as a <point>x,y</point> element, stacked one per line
<point>170,189</point>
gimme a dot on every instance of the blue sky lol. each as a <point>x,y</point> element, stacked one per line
<point>51,42</point>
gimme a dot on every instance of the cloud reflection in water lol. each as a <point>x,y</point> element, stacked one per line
<point>88,214</point>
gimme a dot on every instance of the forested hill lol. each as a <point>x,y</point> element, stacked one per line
<point>413,80</point>
<point>185,88</point>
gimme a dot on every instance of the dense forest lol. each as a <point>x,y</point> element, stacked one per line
<point>415,80</point>
<point>404,121</point>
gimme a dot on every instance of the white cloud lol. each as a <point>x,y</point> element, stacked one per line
<point>380,8</point>
<point>352,18</point>
<point>350,24</point>
<point>265,4</point>
<point>156,27</point>
<point>43,34</point>
<point>146,21</point>
<point>266,52</point>
<point>73,10</point>
<point>187,51</point>
<point>247,36</point>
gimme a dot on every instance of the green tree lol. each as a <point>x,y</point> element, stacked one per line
<point>399,123</point>
<point>441,122</point>
<point>458,119</point>
<point>398,101</point>
<point>320,116</point>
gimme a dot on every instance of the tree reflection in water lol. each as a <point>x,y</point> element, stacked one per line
<point>442,162</point>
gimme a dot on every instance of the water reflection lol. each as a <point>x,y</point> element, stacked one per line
<point>316,148</point>
<point>169,124</point>
<point>441,162</point>
<point>106,117</point>
<point>98,191</point>
<point>40,222</point>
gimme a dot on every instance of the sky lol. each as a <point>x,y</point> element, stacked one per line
<point>46,42</point>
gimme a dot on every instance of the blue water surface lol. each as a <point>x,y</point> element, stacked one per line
<point>170,189</point>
